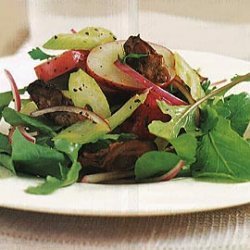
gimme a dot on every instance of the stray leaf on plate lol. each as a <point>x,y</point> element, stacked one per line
<point>38,54</point>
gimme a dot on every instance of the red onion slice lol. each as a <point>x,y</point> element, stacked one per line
<point>171,174</point>
<point>26,135</point>
<point>80,111</point>
<point>157,91</point>
<point>73,31</point>
<point>14,89</point>
<point>105,177</point>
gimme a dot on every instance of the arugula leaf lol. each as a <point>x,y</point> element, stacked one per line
<point>222,153</point>
<point>181,118</point>
<point>38,54</point>
<point>16,118</point>
<point>71,149</point>
<point>185,146</point>
<point>236,108</point>
<point>5,146</point>
<point>72,174</point>
<point>6,98</point>
<point>134,56</point>
<point>206,85</point>
<point>185,119</point>
<point>154,163</point>
<point>68,176</point>
<point>6,161</point>
<point>5,173</point>
<point>50,185</point>
<point>35,159</point>
<point>209,119</point>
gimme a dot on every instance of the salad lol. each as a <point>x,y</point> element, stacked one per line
<point>110,111</point>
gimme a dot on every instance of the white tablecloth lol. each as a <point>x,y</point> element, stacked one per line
<point>221,229</point>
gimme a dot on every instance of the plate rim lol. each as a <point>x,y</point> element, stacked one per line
<point>129,213</point>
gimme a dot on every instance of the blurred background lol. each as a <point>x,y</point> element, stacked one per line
<point>220,26</point>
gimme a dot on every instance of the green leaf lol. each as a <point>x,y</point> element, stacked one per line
<point>38,54</point>
<point>84,90</point>
<point>6,98</point>
<point>16,118</point>
<point>134,56</point>
<point>155,163</point>
<point>236,108</point>
<point>209,119</point>
<point>6,161</point>
<point>185,119</point>
<point>5,173</point>
<point>5,146</point>
<point>206,85</point>
<point>68,175</point>
<point>180,118</point>
<point>50,185</point>
<point>222,153</point>
<point>185,146</point>
<point>35,159</point>
<point>71,149</point>
<point>86,39</point>
<point>72,175</point>
<point>189,76</point>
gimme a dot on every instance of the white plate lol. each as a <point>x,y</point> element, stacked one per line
<point>173,197</point>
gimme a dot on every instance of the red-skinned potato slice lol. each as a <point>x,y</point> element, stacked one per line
<point>100,65</point>
<point>57,66</point>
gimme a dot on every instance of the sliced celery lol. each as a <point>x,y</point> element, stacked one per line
<point>84,90</point>
<point>86,39</point>
<point>87,131</point>
<point>189,76</point>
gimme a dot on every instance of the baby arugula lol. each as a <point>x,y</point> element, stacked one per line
<point>68,176</point>
<point>222,152</point>
<point>215,149</point>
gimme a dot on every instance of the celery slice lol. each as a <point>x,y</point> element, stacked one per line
<point>85,39</point>
<point>189,76</point>
<point>87,131</point>
<point>84,90</point>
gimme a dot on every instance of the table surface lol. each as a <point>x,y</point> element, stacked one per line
<point>220,229</point>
